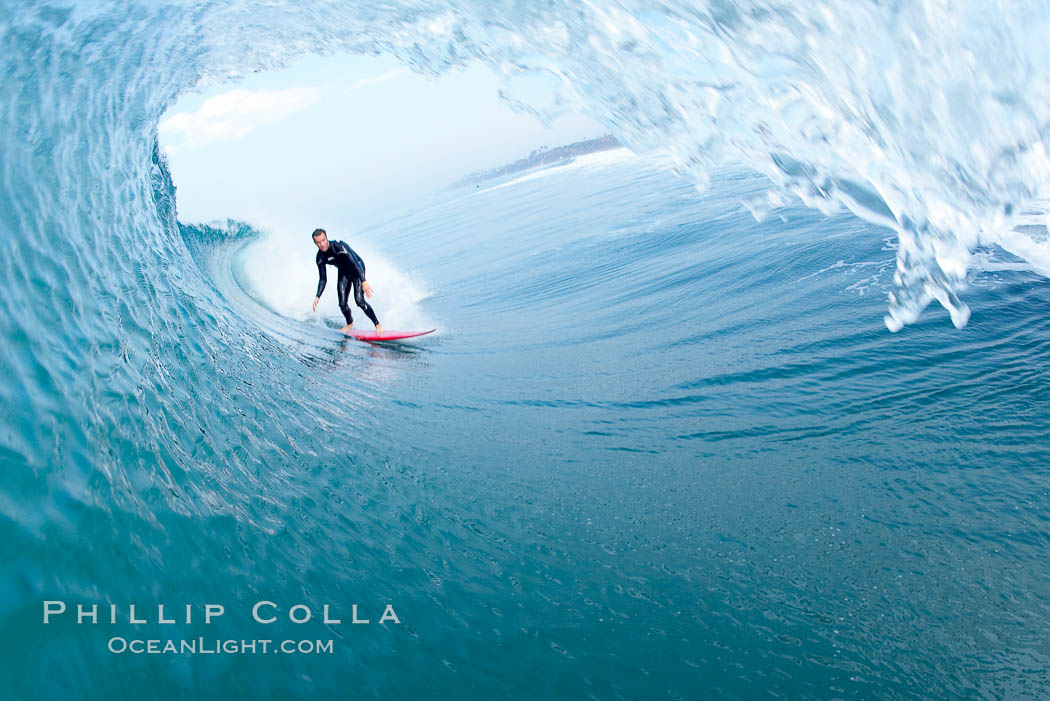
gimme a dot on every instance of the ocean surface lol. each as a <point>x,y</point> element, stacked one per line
<point>659,446</point>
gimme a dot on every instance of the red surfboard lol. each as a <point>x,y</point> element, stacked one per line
<point>386,335</point>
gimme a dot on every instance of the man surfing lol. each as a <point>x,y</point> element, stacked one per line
<point>351,272</point>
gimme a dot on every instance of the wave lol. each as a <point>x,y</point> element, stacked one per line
<point>927,117</point>
<point>170,428</point>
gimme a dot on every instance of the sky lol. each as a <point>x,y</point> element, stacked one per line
<point>342,141</point>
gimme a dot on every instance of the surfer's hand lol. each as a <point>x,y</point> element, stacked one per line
<point>316,300</point>
<point>366,288</point>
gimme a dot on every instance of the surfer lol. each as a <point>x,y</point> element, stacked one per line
<point>351,272</point>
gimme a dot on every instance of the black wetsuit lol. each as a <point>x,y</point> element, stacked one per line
<point>351,271</point>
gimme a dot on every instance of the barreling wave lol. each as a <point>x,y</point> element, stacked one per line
<point>166,433</point>
<point>928,117</point>
<point>931,117</point>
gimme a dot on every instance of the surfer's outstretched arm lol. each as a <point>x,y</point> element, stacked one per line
<point>322,280</point>
<point>322,277</point>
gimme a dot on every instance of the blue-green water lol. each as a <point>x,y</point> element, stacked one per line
<point>656,448</point>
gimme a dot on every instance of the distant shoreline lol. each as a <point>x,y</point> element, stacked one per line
<point>543,156</point>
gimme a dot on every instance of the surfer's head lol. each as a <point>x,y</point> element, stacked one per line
<point>320,237</point>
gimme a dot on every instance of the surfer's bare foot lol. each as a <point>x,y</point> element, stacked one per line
<point>379,328</point>
<point>346,329</point>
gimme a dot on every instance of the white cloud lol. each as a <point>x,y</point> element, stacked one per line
<point>234,114</point>
<point>376,79</point>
